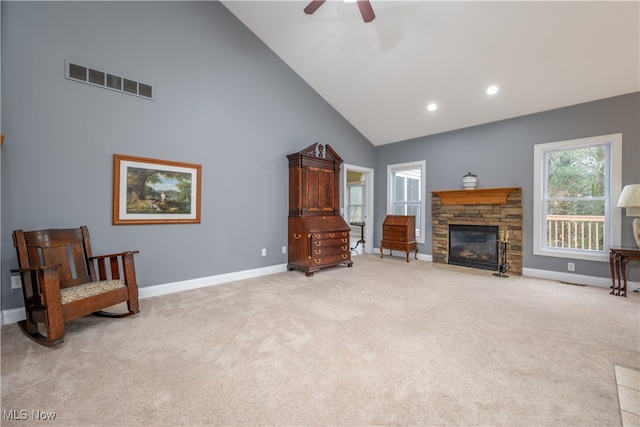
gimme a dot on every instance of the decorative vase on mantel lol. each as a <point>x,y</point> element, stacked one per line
<point>469,181</point>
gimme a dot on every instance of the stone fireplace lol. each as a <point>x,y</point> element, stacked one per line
<point>493,207</point>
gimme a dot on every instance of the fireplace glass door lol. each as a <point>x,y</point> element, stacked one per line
<point>473,246</point>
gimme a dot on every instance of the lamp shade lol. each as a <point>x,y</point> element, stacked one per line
<point>630,196</point>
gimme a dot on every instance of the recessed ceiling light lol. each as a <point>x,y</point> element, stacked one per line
<point>432,107</point>
<point>492,90</point>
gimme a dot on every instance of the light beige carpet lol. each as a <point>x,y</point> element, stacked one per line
<point>381,343</point>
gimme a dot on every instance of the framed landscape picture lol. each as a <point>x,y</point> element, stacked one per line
<point>151,191</point>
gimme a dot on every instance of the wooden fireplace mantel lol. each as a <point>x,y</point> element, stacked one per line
<point>479,196</point>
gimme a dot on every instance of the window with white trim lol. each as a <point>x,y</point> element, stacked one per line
<point>355,203</point>
<point>576,186</point>
<point>405,192</point>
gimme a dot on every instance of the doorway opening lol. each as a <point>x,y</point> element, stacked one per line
<point>357,206</point>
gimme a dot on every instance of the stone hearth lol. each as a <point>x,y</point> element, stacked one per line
<point>501,207</point>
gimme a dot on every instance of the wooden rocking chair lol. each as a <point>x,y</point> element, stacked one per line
<point>62,280</point>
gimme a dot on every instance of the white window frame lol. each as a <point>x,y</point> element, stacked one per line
<point>348,201</point>
<point>399,167</point>
<point>612,217</point>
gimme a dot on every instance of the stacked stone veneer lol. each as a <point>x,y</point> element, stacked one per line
<point>507,216</point>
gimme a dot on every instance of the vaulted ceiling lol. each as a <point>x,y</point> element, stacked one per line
<point>382,75</point>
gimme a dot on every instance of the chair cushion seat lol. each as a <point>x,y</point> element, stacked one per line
<point>87,290</point>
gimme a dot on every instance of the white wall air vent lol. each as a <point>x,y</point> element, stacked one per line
<point>80,73</point>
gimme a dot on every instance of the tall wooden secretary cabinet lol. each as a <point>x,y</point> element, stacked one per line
<point>318,235</point>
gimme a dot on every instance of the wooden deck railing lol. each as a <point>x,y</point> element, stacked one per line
<point>575,231</point>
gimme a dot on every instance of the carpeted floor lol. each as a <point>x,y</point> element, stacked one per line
<point>382,343</point>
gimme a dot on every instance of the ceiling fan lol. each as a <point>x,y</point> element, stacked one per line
<point>364,5</point>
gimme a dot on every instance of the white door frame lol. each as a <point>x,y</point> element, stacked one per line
<point>368,179</point>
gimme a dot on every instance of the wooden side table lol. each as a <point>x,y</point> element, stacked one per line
<point>618,259</point>
<point>361,225</point>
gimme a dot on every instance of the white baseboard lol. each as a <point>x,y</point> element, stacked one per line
<point>428,258</point>
<point>578,279</point>
<point>14,315</point>
<point>400,254</point>
<point>633,286</point>
<point>169,288</point>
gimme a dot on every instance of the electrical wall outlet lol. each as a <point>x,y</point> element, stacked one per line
<point>571,266</point>
<point>16,283</point>
<point>264,251</point>
<point>284,249</point>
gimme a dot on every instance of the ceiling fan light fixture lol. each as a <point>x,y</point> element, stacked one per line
<point>366,10</point>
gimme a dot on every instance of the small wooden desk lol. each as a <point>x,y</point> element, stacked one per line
<point>618,259</point>
<point>399,233</point>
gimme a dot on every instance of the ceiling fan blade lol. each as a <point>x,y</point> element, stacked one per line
<point>313,6</point>
<point>366,10</point>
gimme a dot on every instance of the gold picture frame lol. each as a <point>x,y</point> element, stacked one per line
<point>152,191</point>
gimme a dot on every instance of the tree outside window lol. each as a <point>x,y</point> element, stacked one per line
<point>576,195</point>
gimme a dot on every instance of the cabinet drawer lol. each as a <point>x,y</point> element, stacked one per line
<point>331,235</point>
<point>323,243</point>
<point>399,246</point>
<point>392,232</point>
<point>321,251</point>
<point>330,259</point>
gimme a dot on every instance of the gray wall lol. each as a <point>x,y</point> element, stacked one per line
<point>501,154</point>
<point>223,100</point>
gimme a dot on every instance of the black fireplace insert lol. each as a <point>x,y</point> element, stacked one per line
<point>473,246</point>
